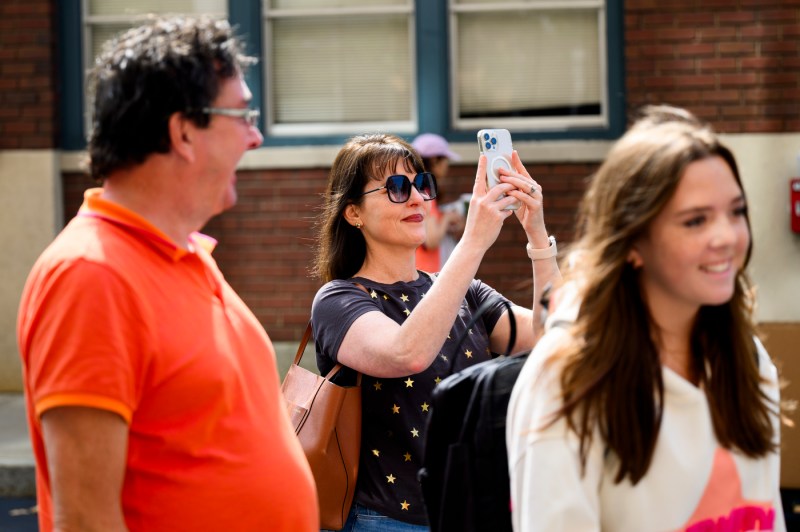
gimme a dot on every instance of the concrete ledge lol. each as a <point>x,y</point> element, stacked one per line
<point>17,474</point>
<point>17,481</point>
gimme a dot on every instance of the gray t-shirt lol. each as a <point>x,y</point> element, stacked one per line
<point>395,411</point>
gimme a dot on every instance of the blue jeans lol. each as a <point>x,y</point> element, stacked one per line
<point>362,519</point>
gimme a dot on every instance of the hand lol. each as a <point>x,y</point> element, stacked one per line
<point>529,194</point>
<point>486,210</point>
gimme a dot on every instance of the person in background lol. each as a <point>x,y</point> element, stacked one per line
<point>443,226</point>
<point>400,331</point>
<point>650,404</point>
<point>152,391</point>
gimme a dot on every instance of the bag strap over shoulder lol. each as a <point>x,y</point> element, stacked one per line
<point>302,348</point>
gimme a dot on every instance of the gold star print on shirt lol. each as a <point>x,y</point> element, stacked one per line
<point>397,409</point>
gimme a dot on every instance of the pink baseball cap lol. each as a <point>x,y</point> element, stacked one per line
<point>433,145</point>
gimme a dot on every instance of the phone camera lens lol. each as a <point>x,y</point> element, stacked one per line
<point>494,141</point>
<point>486,136</point>
<point>488,145</point>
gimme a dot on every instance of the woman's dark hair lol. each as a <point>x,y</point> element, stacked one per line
<point>146,74</point>
<point>341,247</point>
<point>612,377</point>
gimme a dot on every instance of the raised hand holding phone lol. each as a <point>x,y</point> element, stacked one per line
<point>496,145</point>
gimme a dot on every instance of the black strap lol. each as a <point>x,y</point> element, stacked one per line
<point>512,336</point>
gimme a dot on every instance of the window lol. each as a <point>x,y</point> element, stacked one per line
<point>328,69</point>
<point>105,18</point>
<point>344,66</point>
<point>528,65</point>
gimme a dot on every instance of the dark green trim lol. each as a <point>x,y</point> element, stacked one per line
<point>433,90</point>
<point>245,16</point>
<point>615,29</point>
<point>70,75</point>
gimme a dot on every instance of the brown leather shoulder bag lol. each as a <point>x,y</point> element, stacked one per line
<point>327,420</point>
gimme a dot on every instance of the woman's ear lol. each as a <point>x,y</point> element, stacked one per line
<point>635,259</point>
<point>351,215</point>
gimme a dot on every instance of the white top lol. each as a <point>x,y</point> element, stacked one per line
<point>691,481</point>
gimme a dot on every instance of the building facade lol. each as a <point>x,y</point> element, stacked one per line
<point>735,63</point>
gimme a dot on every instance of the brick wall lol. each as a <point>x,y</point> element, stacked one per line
<point>266,242</point>
<point>734,63</point>
<point>27,81</point>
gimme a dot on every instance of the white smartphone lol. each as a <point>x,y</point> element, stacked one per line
<point>496,145</point>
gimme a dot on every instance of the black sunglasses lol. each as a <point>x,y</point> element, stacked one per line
<point>398,187</point>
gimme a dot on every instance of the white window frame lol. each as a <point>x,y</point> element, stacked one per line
<point>555,123</point>
<point>273,129</point>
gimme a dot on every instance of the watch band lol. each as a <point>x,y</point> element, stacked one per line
<point>543,253</point>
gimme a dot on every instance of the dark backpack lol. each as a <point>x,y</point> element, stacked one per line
<point>464,477</point>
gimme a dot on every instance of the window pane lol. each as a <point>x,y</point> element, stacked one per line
<point>528,63</point>
<point>120,15</point>
<point>140,7</point>
<point>329,4</point>
<point>102,33</point>
<point>341,69</point>
<point>562,3</point>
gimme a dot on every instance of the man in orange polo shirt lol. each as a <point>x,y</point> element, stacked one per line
<point>152,391</point>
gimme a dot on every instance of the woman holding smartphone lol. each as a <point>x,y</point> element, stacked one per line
<point>400,332</point>
<point>650,404</point>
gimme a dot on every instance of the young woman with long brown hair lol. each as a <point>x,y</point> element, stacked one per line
<point>650,404</point>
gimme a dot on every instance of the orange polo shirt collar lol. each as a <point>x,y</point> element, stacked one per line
<point>95,205</point>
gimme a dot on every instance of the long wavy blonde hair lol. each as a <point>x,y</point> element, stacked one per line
<point>612,379</point>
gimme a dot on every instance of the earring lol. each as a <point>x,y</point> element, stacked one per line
<point>634,260</point>
<point>358,225</point>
